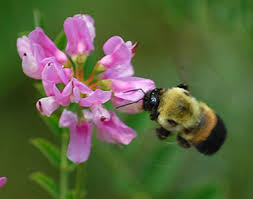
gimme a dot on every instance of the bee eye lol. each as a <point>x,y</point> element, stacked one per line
<point>172,122</point>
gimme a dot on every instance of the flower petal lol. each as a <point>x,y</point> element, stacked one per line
<point>67,118</point>
<point>80,33</point>
<point>47,105</point>
<point>118,71</point>
<point>97,97</point>
<point>132,108</point>
<point>29,62</point>
<point>128,83</point>
<point>54,71</point>
<point>111,44</point>
<point>99,113</point>
<point>114,130</point>
<point>117,52</point>
<point>121,97</point>
<point>39,37</point>
<point>3,181</point>
<point>80,142</point>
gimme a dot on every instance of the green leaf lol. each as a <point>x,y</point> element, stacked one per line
<point>61,40</point>
<point>51,152</point>
<point>38,19</point>
<point>53,123</point>
<point>46,183</point>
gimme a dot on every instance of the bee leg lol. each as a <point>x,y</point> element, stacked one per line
<point>183,142</point>
<point>184,86</point>
<point>162,133</point>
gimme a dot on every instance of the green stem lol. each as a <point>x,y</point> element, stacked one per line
<point>79,181</point>
<point>63,166</point>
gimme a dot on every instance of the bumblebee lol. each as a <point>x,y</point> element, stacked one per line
<point>176,110</point>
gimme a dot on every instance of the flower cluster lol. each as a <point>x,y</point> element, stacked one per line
<point>63,82</point>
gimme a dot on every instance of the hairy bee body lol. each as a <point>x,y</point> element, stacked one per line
<point>196,124</point>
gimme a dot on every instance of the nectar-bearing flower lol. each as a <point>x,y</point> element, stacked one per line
<point>64,85</point>
<point>80,32</point>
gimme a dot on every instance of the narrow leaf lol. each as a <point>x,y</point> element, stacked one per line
<point>46,183</point>
<point>51,152</point>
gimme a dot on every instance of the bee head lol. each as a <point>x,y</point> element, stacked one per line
<point>178,109</point>
<point>151,99</point>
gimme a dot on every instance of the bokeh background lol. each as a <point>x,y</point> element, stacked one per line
<point>207,44</point>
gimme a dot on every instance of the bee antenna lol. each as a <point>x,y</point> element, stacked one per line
<point>138,89</point>
<point>129,103</point>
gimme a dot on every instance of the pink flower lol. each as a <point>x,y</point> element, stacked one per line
<point>63,82</point>
<point>80,136</point>
<point>118,71</point>
<point>80,32</point>
<point>47,105</point>
<point>33,49</point>
<point>3,181</point>
<point>30,55</point>
<point>49,48</point>
<point>121,97</point>
<point>53,73</point>
<point>113,130</point>
<point>96,97</point>
<point>117,52</point>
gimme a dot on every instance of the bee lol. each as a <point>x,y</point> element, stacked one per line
<point>176,110</point>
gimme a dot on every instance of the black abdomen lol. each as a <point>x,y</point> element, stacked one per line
<point>215,140</point>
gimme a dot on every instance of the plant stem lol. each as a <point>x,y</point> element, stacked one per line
<point>79,181</point>
<point>63,166</point>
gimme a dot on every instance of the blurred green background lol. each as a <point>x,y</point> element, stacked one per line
<point>207,44</point>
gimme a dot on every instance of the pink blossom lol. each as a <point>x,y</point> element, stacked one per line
<point>33,49</point>
<point>121,97</point>
<point>118,71</point>
<point>117,52</point>
<point>30,55</point>
<point>3,181</point>
<point>96,97</point>
<point>47,105</point>
<point>49,48</point>
<point>113,130</point>
<point>80,136</point>
<point>54,71</point>
<point>80,32</point>
<point>111,79</point>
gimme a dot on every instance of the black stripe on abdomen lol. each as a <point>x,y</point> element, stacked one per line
<point>215,140</point>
